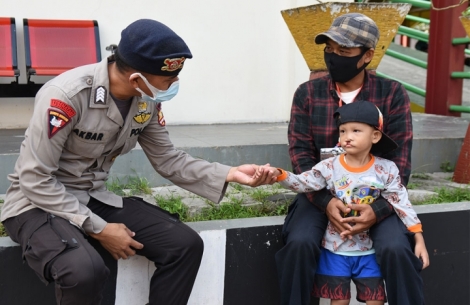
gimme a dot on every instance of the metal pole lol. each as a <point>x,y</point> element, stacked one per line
<point>459,108</point>
<point>417,3</point>
<point>442,91</point>
<point>461,40</point>
<point>417,19</point>
<point>408,59</point>
<point>460,74</point>
<point>407,86</point>
<point>420,38</point>
<point>414,32</point>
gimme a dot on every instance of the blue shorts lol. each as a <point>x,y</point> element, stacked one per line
<point>335,272</point>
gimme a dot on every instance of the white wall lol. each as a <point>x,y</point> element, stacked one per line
<point>245,68</point>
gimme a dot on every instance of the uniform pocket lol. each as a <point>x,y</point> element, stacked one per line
<point>45,243</point>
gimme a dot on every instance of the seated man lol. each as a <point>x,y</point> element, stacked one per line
<point>349,48</point>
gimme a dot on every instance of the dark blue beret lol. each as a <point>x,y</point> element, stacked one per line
<point>152,47</point>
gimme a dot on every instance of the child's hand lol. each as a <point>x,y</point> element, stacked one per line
<point>420,250</point>
<point>245,174</point>
<point>262,170</point>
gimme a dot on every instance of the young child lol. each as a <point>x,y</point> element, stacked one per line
<point>356,177</point>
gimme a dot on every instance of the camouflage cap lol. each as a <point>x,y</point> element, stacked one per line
<point>351,30</point>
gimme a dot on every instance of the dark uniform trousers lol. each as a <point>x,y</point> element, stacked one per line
<point>59,252</point>
<point>303,230</point>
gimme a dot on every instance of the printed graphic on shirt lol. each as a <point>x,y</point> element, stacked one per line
<point>100,95</point>
<point>161,119</point>
<point>66,108</point>
<point>173,64</point>
<point>89,135</point>
<point>143,115</point>
<point>372,181</point>
<point>365,194</point>
<point>57,121</point>
<point>342,183</point>
<point>380,169</point>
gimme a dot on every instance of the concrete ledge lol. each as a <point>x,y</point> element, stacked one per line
<point>235,144</point>
<point>238,264</point>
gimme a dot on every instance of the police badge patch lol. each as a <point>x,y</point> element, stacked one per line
<point>57,121</point>
<point>143,115</point>
<point>66,108</point>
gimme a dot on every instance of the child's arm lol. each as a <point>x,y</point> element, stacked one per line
<point>420,249</point>
<point>397,195</point>
<point>308,181</point>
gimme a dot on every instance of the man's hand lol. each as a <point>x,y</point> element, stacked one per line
<point>420,250</point>
<point>117,239</point>
<point>245,174</point>
<point>363,222</point>
<point>335,211</point>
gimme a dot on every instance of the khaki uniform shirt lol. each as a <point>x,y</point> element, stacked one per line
<point>76,133</point>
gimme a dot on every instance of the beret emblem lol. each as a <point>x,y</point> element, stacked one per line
<point>173,64</point>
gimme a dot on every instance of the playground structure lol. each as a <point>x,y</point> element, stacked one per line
<point>446,51</point>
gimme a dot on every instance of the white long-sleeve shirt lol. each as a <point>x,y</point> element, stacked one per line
<point>355,185</point>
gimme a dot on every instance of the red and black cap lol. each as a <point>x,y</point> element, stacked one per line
<point>367,113</point>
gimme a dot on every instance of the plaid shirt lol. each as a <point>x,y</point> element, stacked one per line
<point>313,127</point>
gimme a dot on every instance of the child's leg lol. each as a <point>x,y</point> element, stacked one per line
<point>344,302</point>
<point>333,278</point>
<point>374,303</point>
<point>369,283</point>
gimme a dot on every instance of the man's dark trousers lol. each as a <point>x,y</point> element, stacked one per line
<point>59,252</point>
<point>303,230</point>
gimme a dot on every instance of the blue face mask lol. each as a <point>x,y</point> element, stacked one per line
<point>159,96</point>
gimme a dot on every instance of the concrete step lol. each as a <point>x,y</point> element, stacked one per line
<point>437,141</point>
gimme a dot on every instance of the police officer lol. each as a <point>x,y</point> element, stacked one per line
<point>83,119</point>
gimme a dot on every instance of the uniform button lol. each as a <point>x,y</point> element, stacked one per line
<point>114,158</point>
<point>89,81</point>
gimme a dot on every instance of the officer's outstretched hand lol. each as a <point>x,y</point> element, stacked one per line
<point>245,174</point>
<point>117,239</point>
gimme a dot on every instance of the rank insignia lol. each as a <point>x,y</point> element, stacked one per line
<point>100,95</point>
<point>57,121</point>
<point>173,64</point>
<point>161,119</point>
<point>143,115</point>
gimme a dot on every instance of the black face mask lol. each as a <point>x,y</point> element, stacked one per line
<point>342,68</point>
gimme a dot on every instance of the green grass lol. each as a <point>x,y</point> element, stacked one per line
<point>3,233</point>
<point>446,167</point>
<point>135,185</point>
<point>447,195</point>
<point>234,207</point>
<point>2,228</point>
<point>173,204</point>
<point>422,176</point>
